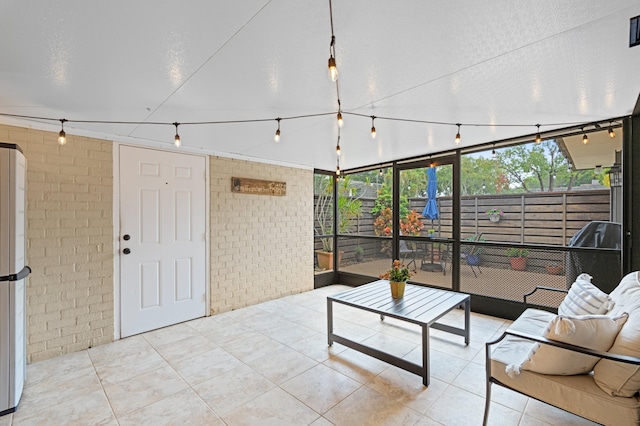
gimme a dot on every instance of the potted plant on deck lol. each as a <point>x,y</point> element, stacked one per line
<point>398,276</point>
<point>518,258</point>
<point>359,251</point>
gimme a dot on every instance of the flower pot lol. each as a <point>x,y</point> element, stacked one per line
<point>518,263</point>
<point>494,217</point>
<point>359,257</point>
<point>397,289</point>
<point>325,259</point>
<point>554,269</point>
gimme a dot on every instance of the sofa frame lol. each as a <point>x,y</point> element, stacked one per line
<point>490,379</point>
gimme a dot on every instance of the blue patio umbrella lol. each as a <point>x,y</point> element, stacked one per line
<point>431,208</point>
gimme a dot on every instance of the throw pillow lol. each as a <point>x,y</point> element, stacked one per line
<point>617,378</point>
<point>585,298</point>
<point>589,331</point>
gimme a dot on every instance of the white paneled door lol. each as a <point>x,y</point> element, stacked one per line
<point>162,238</point>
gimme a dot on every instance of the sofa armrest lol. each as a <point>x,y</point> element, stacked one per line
<point>606,355</point>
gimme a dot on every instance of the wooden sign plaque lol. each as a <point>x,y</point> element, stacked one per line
<point>255,186</point>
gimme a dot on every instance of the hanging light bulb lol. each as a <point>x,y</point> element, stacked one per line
<point>373,128</point>
<point>338,168</point>
<point>340,120</point>
<point>493,152</point>
<point>612,134</point>
<point>176,139</point>
<point>380,172</point>
<point>277,135</point>
<point>538,138</point>
<point>338,147</point>
<point>458,134</point>
<point>62,136</point>
<point>585,138</point>
<point>333,69</point>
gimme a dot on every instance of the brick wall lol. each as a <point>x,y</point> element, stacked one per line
<point>261,245</point>
<point>69,241</point>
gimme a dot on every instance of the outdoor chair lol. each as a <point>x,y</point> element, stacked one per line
<point>467,255</point>
<point>409,250</point>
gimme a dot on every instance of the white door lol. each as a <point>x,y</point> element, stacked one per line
<point>162,239</point>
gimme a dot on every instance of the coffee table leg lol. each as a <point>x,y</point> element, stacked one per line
<point>425,354</point>
<point>330,321</point>
<point>467,314</point>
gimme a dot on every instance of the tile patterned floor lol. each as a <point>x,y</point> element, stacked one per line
<point>269,364</point>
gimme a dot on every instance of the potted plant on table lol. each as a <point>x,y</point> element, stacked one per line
<point>518,258</point>
<point>398,276</point>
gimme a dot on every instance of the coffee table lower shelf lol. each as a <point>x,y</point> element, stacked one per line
<point>421,305</point>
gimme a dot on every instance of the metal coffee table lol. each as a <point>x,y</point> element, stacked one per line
<point>420,305</point>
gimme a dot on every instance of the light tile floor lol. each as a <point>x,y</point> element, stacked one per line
<point>269,364</point>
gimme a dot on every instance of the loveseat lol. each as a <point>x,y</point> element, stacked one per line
<point>585,360</point>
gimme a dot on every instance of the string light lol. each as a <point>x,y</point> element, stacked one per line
<point>340,120</point>
<point>338,167</point>
<point>538,138</point>
<point>493,152</point>
<point>277,135</point>
<point>338,147</point>
<point>176,139</point>
<point>458,134</point>
<point>585,138</point>
<point>373,127</point>
<point>380,173</point>
<point>612,134</point>
<point>62,136</point>
<point>333,69</point>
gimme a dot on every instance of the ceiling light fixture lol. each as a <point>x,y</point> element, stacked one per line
<point>538,138</point>
<point>277,135</point>
<point>176,139</point>
<point>458,134</point>
<point>585,138</point>
<point>62,136</point>
<point>373,127</point>
<point>612,134</point>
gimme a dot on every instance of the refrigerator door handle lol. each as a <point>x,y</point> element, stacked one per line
<point>17,277</point>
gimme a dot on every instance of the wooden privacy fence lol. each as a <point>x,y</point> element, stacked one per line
<point>550,218</point>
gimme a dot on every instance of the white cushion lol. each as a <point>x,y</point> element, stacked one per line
<point>590,331</point>
<point>616,378</point>
<point>585,298</point>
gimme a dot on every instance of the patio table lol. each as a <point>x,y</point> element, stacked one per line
<point>420,305</point>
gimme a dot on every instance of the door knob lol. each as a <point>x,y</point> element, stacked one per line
<point>126,237</point>
<point>126,251</point>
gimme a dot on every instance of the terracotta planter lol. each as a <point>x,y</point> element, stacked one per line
<point>518,263</point>
<point>397,289</point>
<point>325,259</point>
<point>554,269</point>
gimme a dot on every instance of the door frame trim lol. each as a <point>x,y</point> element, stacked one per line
<point>116,232</point>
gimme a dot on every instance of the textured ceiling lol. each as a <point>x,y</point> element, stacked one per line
<point>492,62</point>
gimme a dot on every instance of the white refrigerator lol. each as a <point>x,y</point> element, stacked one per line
<point>13,272</point>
